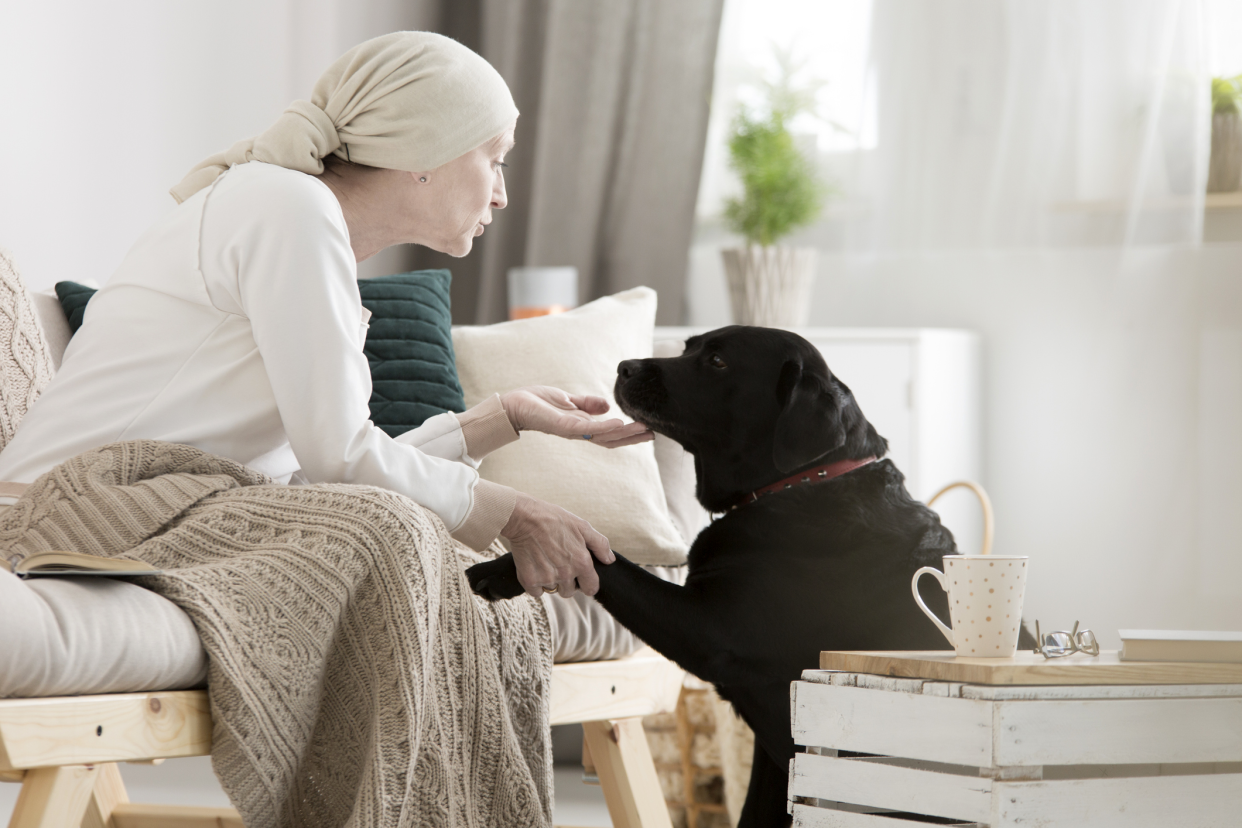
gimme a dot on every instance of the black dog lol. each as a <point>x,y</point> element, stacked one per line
<point>824,564</point>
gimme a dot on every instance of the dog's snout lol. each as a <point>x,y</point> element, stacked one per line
<point>629,368</point>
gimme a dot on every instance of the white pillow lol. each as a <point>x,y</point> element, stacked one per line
<point>617,490</point>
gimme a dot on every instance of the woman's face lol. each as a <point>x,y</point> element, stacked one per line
<point>457,198</point>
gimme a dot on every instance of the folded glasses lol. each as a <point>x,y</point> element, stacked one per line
<point>1060,643</point>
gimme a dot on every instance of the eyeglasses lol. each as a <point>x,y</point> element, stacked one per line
<point>1059,643</point>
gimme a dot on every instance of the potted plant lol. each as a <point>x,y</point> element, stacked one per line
<point>1225,166</point>
<point>770,285</point>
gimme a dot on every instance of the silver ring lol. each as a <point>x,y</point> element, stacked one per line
<point>551,589</point>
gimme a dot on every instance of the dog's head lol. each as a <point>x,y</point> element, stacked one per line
<point>752,405</point>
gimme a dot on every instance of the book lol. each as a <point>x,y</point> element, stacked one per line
<point>55,562</point>
<point>1181,645</point>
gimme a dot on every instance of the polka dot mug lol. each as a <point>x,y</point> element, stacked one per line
<point>985,602</point>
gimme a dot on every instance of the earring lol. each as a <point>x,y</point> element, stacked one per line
<point>423,179</point>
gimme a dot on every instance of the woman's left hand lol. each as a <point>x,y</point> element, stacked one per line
<point>552,411</point>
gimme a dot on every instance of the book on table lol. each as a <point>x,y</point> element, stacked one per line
<point>1181,645</point>
<point>55,562</point>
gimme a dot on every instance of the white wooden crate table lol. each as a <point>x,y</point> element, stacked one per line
<point>896,739</point>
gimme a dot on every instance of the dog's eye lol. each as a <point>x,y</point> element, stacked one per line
<point>717,362</point>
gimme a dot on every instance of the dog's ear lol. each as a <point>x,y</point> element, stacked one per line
<point>810,423</point>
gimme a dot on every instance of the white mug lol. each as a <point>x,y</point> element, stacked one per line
<point>985,602</point>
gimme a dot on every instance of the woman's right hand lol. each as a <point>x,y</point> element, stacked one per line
<point>553,547</point>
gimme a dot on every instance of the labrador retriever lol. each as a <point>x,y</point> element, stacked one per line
<point>814,549</point>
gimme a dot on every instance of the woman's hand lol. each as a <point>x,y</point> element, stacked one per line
<point>552,411</point>
<point>553,547</point>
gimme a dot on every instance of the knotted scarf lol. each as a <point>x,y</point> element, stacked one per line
<point>404,101</point>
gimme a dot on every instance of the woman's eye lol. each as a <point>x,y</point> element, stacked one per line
<point>717,362</point>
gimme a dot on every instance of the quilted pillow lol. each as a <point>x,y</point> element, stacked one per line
<point>409,346</point>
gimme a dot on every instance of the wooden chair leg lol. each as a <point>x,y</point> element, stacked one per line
<point>109,791</point>
<point>54,797</point>
<point>627,774</point>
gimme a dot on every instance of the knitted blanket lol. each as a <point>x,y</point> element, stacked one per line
<point>354,678</point>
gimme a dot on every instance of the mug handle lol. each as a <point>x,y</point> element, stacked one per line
<point>914,587</point>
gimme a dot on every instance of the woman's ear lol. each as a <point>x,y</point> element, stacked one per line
<point>810,424</point>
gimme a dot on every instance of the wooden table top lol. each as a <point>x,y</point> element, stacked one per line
<point>1028,668</point>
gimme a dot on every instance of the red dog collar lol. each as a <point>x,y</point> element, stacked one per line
<point>819,474</point>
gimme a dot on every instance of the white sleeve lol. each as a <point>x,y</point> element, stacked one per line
<point>295,281</point>
<point>467,437</point>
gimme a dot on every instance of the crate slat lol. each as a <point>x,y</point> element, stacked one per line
<point>1118,731</point>
<point>938,729</point>
<point>1136,802</point>
<point>891,787</point>
<point>807,816</point>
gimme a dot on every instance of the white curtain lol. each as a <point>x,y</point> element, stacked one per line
<point>1035,172</point>
<point>1049,124</point>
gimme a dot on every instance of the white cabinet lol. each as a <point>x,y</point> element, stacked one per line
<point>920,388</point>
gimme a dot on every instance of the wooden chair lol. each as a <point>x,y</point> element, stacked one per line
<point>64,750</point>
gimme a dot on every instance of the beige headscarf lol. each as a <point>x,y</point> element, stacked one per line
<point>404,101</point>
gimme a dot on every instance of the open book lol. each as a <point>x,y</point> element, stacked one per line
<point>53,562</point>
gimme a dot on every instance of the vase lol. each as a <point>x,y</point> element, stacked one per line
<point>770,286</point>
<point>1225,166</point>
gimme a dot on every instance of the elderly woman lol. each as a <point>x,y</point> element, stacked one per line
<point>353,678</point>
<point>235,324</point>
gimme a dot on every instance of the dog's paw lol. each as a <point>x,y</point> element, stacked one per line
<point>495,580</point>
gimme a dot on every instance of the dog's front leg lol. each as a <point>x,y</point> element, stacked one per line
<point>678,622</point>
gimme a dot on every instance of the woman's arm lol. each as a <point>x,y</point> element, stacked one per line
<point>283,257</point>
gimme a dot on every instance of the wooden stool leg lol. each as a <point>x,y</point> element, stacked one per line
<point>627,774</point>
<point>54,797</point>
<point>109,791</point>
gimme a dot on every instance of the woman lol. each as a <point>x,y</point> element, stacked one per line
<point>235,325</point>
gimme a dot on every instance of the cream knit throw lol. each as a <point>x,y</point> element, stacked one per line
<point>354,678</point>
<point>25,362</point>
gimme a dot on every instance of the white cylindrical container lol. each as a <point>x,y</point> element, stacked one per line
<point>538,291</point>
<point>770,286</point>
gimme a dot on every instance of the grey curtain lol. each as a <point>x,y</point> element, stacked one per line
<point>614,96</point>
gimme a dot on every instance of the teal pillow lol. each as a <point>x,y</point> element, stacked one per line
<point>410,348</point>
<point>73,298</point>
<point>409,345</point>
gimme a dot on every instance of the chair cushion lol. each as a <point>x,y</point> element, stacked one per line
<point>69,636</point>
<point>619,490</point>
<point>408,346</point>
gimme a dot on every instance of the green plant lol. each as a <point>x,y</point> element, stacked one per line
<point>780,189</point>
<point>1227,95</point>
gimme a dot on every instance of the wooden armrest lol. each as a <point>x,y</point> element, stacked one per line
<point>591,691</point>
<point>86,730</point>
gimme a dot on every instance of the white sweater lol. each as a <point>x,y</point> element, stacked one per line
<point>235,325</point>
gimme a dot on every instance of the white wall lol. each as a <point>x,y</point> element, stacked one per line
<point>107,105</point>
<point>1113,413</point>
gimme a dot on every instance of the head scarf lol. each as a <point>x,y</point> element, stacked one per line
<point>404,101</point>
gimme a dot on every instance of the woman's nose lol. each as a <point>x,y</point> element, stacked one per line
<point>500,198</point>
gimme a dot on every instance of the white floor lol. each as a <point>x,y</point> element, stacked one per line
<point>191,782</point>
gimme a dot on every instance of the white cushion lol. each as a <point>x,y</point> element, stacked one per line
<point>618,490</point>
<point>54,324</point>
<point>68,636</point>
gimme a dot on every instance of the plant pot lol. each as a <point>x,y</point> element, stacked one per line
<point>770,286</point>
<point>1225,166</point>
